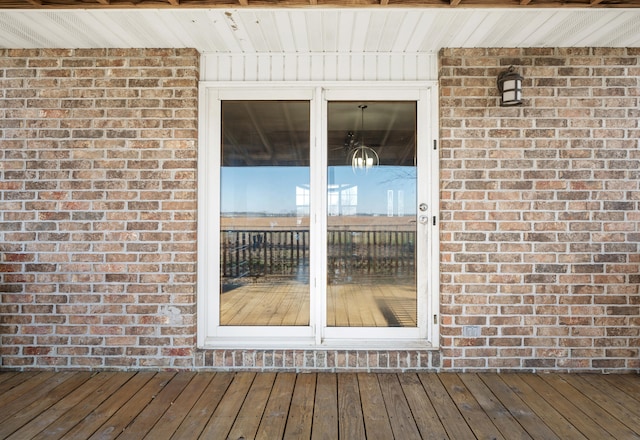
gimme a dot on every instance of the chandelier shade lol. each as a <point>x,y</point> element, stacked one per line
<point>364,158</point>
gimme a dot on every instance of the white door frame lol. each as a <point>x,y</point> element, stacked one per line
<point>316,334</point>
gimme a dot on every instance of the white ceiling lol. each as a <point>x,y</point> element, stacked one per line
<point>326,30</point>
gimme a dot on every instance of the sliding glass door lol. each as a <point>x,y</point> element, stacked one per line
<point>371,214</point>
<point>319,217</point>
<point>264,213</point>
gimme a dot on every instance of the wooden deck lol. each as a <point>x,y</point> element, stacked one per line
<point>245,405</point>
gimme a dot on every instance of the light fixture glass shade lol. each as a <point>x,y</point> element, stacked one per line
<point>510,87</point>
<point>363,158</point>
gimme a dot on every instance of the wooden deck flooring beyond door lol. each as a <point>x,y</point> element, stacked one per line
<point>286,302</point>
<point>245,405</point>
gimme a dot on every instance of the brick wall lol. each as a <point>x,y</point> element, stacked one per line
<point>97,208</point>
<point>540,216</point>
<point>540,205</point>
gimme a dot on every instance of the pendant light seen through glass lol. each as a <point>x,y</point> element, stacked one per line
<point>363,158</point>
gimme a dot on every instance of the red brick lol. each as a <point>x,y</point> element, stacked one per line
<point>531,199</point>
<point>568,197</point>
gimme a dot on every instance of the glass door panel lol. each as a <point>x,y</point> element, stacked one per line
<point>264,213</point>
<point>371,214</point>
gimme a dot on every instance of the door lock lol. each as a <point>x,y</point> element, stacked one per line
<point>423,207</point>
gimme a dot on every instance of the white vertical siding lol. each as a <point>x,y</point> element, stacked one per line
<point>319,67</point>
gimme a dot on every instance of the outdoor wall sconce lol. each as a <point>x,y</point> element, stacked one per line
<point>510,87</point>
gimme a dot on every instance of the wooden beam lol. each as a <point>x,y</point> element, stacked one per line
<point>472,4</point>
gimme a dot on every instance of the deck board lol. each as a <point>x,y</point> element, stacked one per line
<point>38,399</point>
<point>469,407</point>
<point>350,420</point>
<point>300,418</point>
<point>225,414</point>
<point>275,414</point>
<point>325,411</point>
<point>625,382</point>
<point>424,413</point>
<point>545,410</point>
<point>591,409</point>
<point>9,380</point>
<point>452,421</point>
<point>614,401</point>
<point>376,420</point>
<point>521,412</point>
<point>110,406</point>
<point>16,398</point>
<point>566,406</point>
<point>68,396</point>
<point>180,407</point>
<point>196,420</point>
<point>84,408</point>
<point>493,408</point>
<point>152,413</point>
<point>249,405</point>
<point>127,413</point>
<point>248,419</point>
<point>402,423</point>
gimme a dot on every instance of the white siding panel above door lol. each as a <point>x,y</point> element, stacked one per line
<point>277,68</point>
<point>319,67</point>
<point>370,67</point>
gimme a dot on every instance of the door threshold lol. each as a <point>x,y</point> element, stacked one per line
<point>388,345</point>
<point>308,344</point>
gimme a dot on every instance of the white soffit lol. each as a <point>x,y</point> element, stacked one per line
<point>327,30</point>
